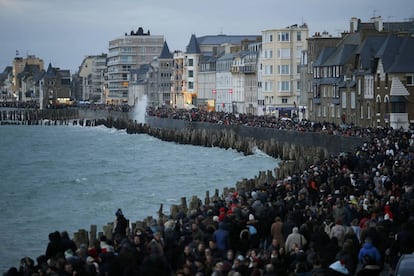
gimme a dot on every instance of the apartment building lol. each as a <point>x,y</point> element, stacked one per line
<point>92,78</point>
<point>125,54</point>
<point>280,67</point>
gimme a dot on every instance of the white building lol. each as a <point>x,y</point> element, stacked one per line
<point>281,57</point>
<point>126,53</point>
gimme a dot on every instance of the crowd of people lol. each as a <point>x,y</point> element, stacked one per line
<point>269,121</point>
<point>352,214</point>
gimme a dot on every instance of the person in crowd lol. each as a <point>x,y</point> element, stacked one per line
<point>368,249</point>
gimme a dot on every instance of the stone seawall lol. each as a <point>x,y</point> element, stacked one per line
<point>296,150</point>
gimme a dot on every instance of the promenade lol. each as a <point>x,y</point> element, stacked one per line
<point>352,213</point>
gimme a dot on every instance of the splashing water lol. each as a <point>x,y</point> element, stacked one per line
<point>140,109</point>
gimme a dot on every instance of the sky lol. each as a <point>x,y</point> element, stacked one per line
<point>64,32</point>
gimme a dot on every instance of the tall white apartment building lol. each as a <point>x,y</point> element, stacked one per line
<point>280,67</point>
<point>127,53</point>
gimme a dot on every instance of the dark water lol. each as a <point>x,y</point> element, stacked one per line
<point>67,178</point>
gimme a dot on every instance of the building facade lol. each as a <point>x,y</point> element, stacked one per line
<point>366,78</point>
<point>125,54</point>
<point>281,57</point>
<point>92,78</point>
<point>19,64</point>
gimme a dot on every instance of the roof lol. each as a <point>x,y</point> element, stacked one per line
<point>50,72</point>
<point>368,49</point>
<point>141,72</point>
<point>165,52</point>
<point>324,55</point>
<point>407,26</point>
<point>387,51</point>
<point>227,56</point>
<point>404,59</point>
<point>222,38</point>
<point>193,47</point>
<point>397,88</point>
<point>341,55</point>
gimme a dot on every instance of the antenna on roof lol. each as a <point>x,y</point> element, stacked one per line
<point>221,30</point>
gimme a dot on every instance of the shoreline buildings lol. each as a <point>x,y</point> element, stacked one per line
<point>363,77</point>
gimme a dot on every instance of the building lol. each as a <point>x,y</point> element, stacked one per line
<point>125,54</point>
<point>6,83</point>
<point>92,78</point>
<point>152,82</point>
<point>316,44</point>
<point>19,64</point>
<point>27,80</point>
<point>280,66</point>
<point>164,65</point>
<point>206,79</point>
<point>366,78</point>
<point>55,88</point>
<point>177,83</point>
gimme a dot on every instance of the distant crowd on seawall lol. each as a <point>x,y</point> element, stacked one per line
<point>349,214</point>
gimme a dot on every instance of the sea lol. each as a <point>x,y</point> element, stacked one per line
<point>56,178</point>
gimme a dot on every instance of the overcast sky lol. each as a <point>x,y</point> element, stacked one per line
<point>63,32</point>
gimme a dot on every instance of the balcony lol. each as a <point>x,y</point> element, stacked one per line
<point>336,101</point>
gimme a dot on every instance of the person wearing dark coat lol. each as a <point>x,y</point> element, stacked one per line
<point>155,263</point>
<point>54,247</point>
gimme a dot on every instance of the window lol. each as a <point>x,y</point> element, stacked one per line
<point>268,70</point>
<point>268,54</point>
<point>299,36</point>
<point>190,62</point>
<point>190,85</point>
<point>268,37</point>
<point>335,92</point>
<point>378,104</point>
<point>368,87</point>
<point>283,53</point>
<point>284,36</point>
<point>353,103</point>
<point>284,86</point>
<point>284,69</point>
<point>343,100</point>
<point>410,80</point>
<point>298,52</point>
<point>190,73</point>
<point>387,104</point>
<point>268,86</point>
<point>284,100</point>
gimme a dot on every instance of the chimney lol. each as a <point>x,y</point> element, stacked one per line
<point>353,25</point>
<point>378,23</point>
